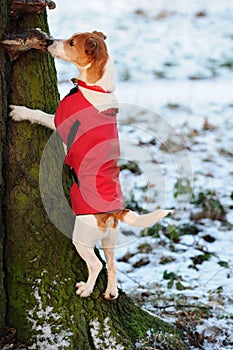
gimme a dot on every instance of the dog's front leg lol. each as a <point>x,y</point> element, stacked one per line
<point>20,113</point>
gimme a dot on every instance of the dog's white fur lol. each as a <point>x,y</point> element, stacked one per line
<point>86,230</point>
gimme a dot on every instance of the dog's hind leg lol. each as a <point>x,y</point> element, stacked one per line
<point>85,235</point>
<point>94,267</point>
<point>109,244</point>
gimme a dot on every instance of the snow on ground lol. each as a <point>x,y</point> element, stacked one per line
<point>174,71</point>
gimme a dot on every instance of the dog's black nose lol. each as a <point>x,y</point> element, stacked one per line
<point>49,42</point>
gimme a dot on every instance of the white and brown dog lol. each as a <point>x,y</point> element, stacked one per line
<point>96,85</point>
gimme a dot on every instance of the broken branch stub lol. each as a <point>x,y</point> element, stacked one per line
<point>15,44</point>
<point>31,6</point>
<point>51,4</point>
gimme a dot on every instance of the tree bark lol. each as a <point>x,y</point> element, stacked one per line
<point>3,118</point>
<point>41,264</point>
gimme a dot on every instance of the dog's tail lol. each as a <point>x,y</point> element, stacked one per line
<point>145,220</point>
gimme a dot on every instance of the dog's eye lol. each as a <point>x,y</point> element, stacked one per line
<point>71,42</point>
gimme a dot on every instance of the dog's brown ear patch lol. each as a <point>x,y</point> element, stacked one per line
<point>90,47</point>
<point>102,35</point>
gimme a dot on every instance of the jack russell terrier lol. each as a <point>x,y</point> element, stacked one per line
<point>86,122</point>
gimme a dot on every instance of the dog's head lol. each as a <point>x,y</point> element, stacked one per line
<point>85,50</point>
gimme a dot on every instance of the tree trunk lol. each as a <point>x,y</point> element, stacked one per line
<point>3,117</point>
<point>41,264</point>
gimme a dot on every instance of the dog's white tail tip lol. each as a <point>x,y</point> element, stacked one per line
<point>145,220</point>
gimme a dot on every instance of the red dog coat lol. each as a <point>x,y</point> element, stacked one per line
<point>93,151</point>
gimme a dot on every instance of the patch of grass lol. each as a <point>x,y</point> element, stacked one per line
<point>227,64</point>
<point>132,166</point>
<point>224,264</point>
<point>140,12</point>
<point>170,64</point>
<point>145,248</point>
<point>166,260</point>
<point>209,238</point>
<point>173,278</point>
<point>160,74</point>
<point>188,229</point>
<point>173,234</point>
<point>173,144</point>
<point>210,206</point>
<point>183,186</point>
<point>161,341</point>
<point>153,231</point>
<point>125,75</point>
<point>134,205</point>
<point>199,259</point>
<point>173,106</point>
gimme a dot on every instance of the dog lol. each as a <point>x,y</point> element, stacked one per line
<point>94,221</point>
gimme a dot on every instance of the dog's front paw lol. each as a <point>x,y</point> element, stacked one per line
<point>83,290</point>
<point>18,113</point>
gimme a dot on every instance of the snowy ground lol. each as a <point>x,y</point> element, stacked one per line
<point>174,71</point>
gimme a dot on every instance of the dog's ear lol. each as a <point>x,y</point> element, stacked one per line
<point>94,46</point>
<point>102,35</point>
<point>91,47</point>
